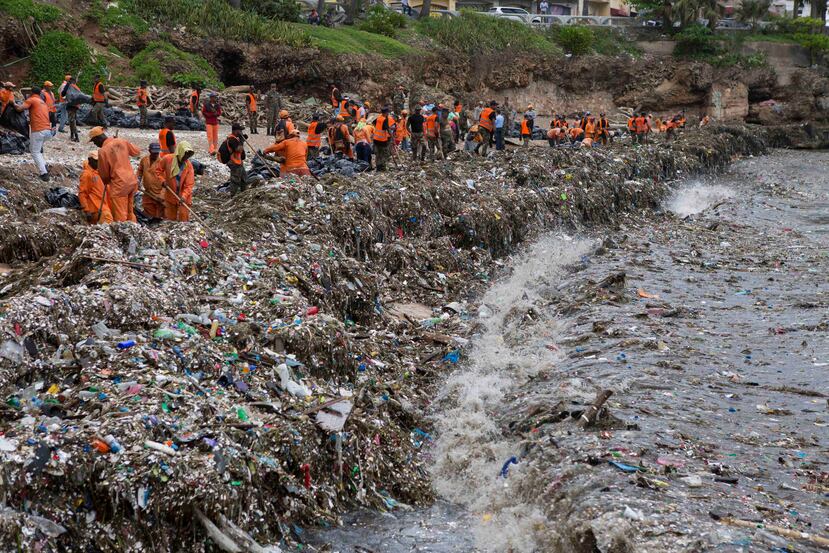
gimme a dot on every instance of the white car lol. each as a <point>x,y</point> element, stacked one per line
<point>516,14</point>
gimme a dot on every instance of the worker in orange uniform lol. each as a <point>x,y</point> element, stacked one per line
<point>48,96</point>
<point>383,138</point>
<point>642,128</point>
<point>195,101</point>
<point>363,139</point>
<point>432,132</point>
<point>314,140</point>
<point>603,130</point>
<point>116,173</point>
<point>152,199</point>
<point>91,193</point>
<point>284,127</point>
<point>100,97</point>
<point>336,97</point>
<point>142,101</point>
<point>589,127</point>
<point>178,178</point>
<point>486,126</point>
<point>344,112</point>
<point>166,136</point>
<point>401,134</point>
<point>576,134</point>
<point>526,131</point>
<point>295,152</point>
<point>253,113</point>
<point>339,138</point>
<point>6,96</point>
<point>40,129</point>
<point>212,110</point>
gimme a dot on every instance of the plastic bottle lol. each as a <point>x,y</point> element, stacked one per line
<point>126,344</point>
<point>214,328</point>
<point>100,445</point>
<point>113,444</point>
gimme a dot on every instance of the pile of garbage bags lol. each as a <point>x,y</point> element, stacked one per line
<point>155,120</point>
<point>239,381</point>
<point>324,165</point>
<point>13,143</point>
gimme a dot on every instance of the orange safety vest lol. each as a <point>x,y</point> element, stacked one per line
<point>641,124</point>
<point>142,98</point>
<point>401,132</point>
<point>485,121</point>
<point>194,101</point>
<point>334,97</point>
<point>235,156</point>
<point>314,139</point>
<point>432,126</point>
<point>49,98</point>
<point>603,126</point>
<point>525,128</point>
<point>251,102</point>
<point>381,134</point>
<point>98,93</point>
<point>162,139</point>
<point>576,132</point>
<point>589,128</point>
<point>344,109</point>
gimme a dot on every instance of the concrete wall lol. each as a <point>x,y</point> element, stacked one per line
<point>784,58</point>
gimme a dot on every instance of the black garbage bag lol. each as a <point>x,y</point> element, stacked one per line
<point>15,121</point>
<point>118,118</point>
<point>77,98</point>
<point>13,143</point>
<point>62,197</point>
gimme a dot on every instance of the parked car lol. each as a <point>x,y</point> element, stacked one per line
<point>729,23</point>
<point>516,14</point>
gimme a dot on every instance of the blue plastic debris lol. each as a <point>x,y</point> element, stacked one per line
<point>453,356</point>
<point>505,469</point>
<point>625,468</point>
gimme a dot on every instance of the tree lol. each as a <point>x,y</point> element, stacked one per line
<point>425,9</point>
<point>752,11</point>
<point>819,9</point>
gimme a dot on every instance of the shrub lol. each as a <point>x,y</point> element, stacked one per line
<point>118,15</point>
<point>696,41</point>
<point>818,44</point>
<point>218,19</point>
<point>476,33</point>
<point>281,10</point>
<point>383,21</point>
<point>161,63</point>
<point>574,40</point>
<point>23,9</point>
<point>58,53</point>
<point>799,25</point>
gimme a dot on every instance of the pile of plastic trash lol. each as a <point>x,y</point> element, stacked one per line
<point>263,372</point>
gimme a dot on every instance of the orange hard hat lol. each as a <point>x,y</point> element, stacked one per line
<point>96,132</point>
<point>283,114</point>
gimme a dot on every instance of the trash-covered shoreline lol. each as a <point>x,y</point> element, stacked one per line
<point>259,375</point>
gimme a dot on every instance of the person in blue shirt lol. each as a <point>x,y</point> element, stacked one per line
<point>499,130</point>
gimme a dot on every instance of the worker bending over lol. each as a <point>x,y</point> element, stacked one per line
<point>178,178</point>
<point>116,173</point>
<point>40,129</point>
<point>91,193</point>
<point>295,152</point>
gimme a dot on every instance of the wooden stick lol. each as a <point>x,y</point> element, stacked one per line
<point>193,213</point>
<point>779,530</point>
<point>131,263</point>
<point>589,416</point>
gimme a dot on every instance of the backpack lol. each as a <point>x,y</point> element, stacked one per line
<point>224,153</point>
